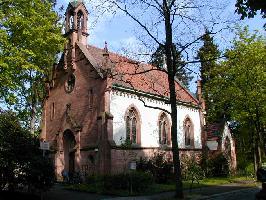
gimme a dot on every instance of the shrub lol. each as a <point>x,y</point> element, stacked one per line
<point>21,160</point>
<point>39,173</point>
<point>245,165</point>
<point>160,167</point>
<point>191,170</point>
<point>217,166</point>
<point>249,170</point>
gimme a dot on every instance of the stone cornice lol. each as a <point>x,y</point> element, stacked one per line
<point>156,97</point>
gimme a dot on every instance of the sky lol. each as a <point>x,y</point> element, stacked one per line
<point>122,34</point>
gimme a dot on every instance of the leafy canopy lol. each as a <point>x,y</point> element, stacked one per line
<point>249,8</point>
<point>21,160</point>
<point>208,56</point>
<point>239,85</point>
<point>30,38</point>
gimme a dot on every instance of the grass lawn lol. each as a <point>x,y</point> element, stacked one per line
<point>158,188</point>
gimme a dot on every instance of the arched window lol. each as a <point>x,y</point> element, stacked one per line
<point>189,133</point>
<point>80,19</point>
<point>132,126</point>
<point>71,22</point>
<point>164,129</point>
<point>70,83</point>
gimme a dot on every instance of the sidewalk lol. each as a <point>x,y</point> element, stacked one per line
<point>213,192</point>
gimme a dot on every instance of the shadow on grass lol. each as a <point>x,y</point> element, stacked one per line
<point>6,195</point>
<point>205,187</point>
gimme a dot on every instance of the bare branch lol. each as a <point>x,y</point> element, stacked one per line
<point>194,41</point>
<point>138,21</point>
<point>154,107</point>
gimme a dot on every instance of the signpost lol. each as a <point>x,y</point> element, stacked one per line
<point>212,145</point>
<point>132,167</point>
<point>44,146</point>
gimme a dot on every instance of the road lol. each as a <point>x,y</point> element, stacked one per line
<point>243,194</point>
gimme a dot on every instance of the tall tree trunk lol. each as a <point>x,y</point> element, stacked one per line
<point>259,131</point>
<point>255,152</point>
<point>33,111</point>
<point>171,82</point>
<point>33,118</point>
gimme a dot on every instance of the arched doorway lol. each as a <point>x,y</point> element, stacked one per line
<point>69,143</point>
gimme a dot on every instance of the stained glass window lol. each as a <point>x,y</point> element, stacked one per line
<point>164,130</point>
<point>188,131</point>
<point>70,83</point>
<point>131,126</point>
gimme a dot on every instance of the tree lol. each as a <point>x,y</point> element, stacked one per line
<point>208,55</point>
<point>158,60</point>
<point>249,8</point>
<point>21,160</point>
<point>30,38</point>
<point>240,85</point>
<point>161,21</point>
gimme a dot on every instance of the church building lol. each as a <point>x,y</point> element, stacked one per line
<point>99,101</point>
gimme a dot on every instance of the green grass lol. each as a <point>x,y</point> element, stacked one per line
<point>158,188</point>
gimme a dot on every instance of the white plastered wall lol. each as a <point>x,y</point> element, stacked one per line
<point>120,102</point>
<point>227,134</point>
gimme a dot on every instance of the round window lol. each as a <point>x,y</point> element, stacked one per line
<point>70,83</point>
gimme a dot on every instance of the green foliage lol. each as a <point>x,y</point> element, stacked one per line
<point>208,55</point>
<point>30,38</point>
<point>249,8</point>
<point>244,149</point>
<point>158,59</point>
<point>240,81</point>
<point>217,166</point>
<point>191,170</point>
<point>39,173</point>
<point>21,159</point>
<point>238,88</point>
<point>159,166</point>
<point>249,170</point>
<point>126,144</point>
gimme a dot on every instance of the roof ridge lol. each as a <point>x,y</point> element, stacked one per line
<point>114,53</point>
<point>143,65</point>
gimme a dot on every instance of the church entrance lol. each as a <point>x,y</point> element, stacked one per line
<point>69,143</point>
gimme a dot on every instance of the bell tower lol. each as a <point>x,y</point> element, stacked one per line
<point>75,30</point>
<point>76,22</point>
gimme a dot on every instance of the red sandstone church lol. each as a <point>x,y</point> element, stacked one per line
<point>97,100</point>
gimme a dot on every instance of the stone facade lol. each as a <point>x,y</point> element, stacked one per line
<point>94,104</point>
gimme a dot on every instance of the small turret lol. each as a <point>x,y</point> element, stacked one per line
<point>75,30</point>
<point>76,22</point>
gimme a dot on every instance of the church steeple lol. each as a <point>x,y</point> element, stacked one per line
<point>75,30</point>
<point>76,22</point>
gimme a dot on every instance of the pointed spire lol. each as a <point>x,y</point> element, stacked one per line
<point>75,3</point>
<point>105,50</point>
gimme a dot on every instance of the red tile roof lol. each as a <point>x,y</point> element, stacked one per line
<point>139,76</point>
<point>215,130</point>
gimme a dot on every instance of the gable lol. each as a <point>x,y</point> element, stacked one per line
<point>90,58</point>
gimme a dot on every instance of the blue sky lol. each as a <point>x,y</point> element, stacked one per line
<point>121,33</point>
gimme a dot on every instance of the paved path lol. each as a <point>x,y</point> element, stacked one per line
<point>222,192</point>
<point>244,194</point>
<point>59,193</point>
